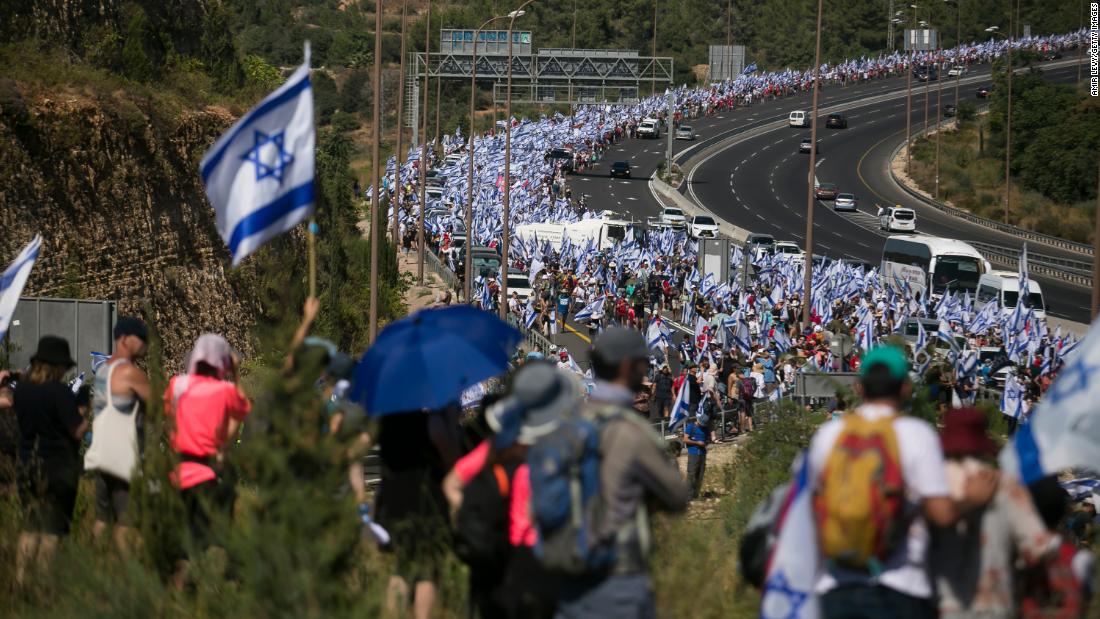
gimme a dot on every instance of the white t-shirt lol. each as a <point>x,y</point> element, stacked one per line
<point>759,378</point>
<point>923,472</point>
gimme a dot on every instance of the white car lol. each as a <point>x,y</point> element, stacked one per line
<point>685,133</point>
<point>897,219</point>
<point>956,70</point>
<point>519,284</point>
<point>703,227</point>
<point>649,128</point>
<point>791,250</point>
<point>845,202</point>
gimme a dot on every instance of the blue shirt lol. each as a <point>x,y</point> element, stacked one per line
<point>695,432</point>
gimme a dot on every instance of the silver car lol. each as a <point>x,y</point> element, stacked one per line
<point>685,133</point>
<point>845,202</point>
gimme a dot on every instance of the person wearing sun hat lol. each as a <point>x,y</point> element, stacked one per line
<point>1008,528</point>
<point>50,428</point>
<point>900,585</point>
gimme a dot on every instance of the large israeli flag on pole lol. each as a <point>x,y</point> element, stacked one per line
<point>259,174</point>
<point>13,280</point>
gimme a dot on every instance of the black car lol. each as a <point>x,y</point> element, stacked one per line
<point>836,121</point>
<point>562,156</point>
<point>983,92</point>
<point>927,73</point>
<point>620,168</point>
<point>1052,55</point>
<point>949,110</point>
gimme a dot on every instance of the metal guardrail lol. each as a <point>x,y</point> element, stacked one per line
<point>533,337</point>
<point>1027,235</point>
<point>1072,271</point>
<point>436,266</point>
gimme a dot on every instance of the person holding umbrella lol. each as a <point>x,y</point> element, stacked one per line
<point>412,377</point>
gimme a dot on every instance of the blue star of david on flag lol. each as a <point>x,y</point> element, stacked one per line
<point>261,154</point>
<point>778,587</point>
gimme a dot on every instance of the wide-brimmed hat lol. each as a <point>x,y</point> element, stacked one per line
<point>541,395</point>
<point>757,367</point>
<point>53,350</point>
<point>964,434</point>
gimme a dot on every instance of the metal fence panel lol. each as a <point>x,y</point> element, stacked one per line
<point>85,324</point>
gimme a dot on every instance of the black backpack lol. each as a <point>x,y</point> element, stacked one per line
<point>481,524</point>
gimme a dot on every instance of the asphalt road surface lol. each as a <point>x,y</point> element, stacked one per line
<point>758,182</point>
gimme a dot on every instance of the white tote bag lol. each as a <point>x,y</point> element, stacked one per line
<point>114,448</point>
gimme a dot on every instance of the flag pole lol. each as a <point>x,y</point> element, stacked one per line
<point>312,228</point>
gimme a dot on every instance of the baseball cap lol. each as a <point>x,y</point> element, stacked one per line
<point>890,356</point>
<point>131,325</point>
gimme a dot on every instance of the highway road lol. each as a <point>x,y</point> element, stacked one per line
<point>757,182</point>
<point>760,184</point>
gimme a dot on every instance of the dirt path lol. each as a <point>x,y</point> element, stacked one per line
<point>719,455</point>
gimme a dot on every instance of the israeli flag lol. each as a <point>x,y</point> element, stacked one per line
<point>259,174</point>
<point>793,566</point>
<point>1062,430</point>
<point>1012,403</point>
<point>749,69</point>
<point>98,359</point>
<point>13,280</point>
<point>680,408</point>
<point>592,309</point>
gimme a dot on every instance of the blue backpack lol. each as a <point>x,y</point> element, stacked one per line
<point>565,499</point>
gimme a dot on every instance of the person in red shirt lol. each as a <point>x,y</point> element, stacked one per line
<point>207,406</point>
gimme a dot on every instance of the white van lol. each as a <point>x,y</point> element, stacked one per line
<point>1005,287</point>
<point>649,128</point>
<point>897,219</point>
<point>799,118</point>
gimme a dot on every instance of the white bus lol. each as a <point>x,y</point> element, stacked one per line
<point>930,264</point>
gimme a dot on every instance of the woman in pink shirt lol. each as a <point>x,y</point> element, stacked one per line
<point>207,407</point>
<point>539,397</point>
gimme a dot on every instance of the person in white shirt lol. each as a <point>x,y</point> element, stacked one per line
<point>901,588</point>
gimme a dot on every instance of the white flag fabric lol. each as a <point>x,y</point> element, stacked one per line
<point>793,567</point>
<point>13,280</point>
<point>259,174</point>
<point>1063,432</point>
<point>680,408</point>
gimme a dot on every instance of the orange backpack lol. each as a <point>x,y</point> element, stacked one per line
<point>859,500</point>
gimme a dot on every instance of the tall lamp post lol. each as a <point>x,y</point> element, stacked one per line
<point>424,147</point>
<point>958,43</point>
<point>399,153</point>
<point>909,102</point>
<point>808,281</point>
<point>506,241</point>
<point>469,270</point>
<point>375,221</point>
<point>1008,114</point>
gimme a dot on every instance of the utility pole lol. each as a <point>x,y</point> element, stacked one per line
<point>729,23</point>
<point>807,299</point>
<point>939,118</point>
<point>424,147</point>
<point>375,210</point>
<point>506,242</point>
<point>1008,128</point>
<point>400,155</point>
<point>653,84</point>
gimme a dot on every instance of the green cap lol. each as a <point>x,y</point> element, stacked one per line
<point>890,356</point>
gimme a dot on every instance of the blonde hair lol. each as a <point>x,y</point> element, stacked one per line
<point>42,372</point>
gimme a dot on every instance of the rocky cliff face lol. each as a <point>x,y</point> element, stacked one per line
<point>111,182</point>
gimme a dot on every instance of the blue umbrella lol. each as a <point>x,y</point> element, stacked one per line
<point>426,360</point>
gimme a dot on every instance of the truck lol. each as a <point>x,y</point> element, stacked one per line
<point>670,217</point>
<point>605,232</point>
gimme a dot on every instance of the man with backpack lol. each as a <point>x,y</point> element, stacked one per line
<point>633,472</point>
<point>879,481</point>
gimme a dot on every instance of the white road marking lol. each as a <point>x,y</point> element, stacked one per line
<point>631,198</point>
<point>760,217</point>
<point>819,162</point>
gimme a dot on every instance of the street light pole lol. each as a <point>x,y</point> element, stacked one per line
<point>909,105</point>
<point>376,137</point>
<point>506,241</point>
<point>958,44</point>
<point>808,280</point>
<point>469,270</point>
<point>1008,113</point>
<point>399,154</point>
<point>939,117</point>
<point>424,147</point>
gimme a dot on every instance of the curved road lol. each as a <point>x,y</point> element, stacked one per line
<point>759,183</point>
